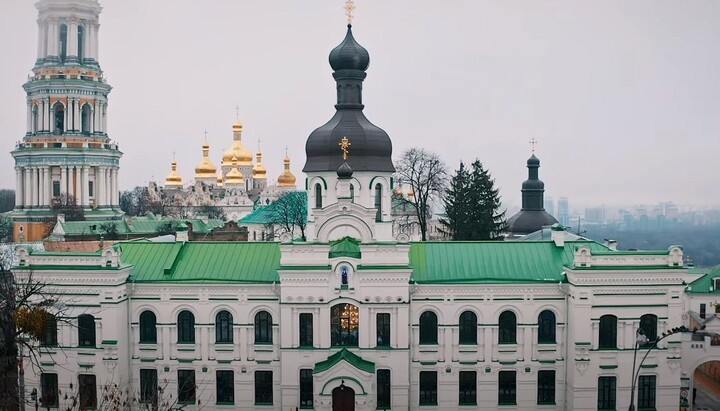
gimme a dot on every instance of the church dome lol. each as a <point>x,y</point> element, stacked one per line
<point>259,170</point>
<point>532,217</point>
<point>173,179</point>
<point>349,55</point>
<point>205,168</point>
<point>234,176</point>
<point>344,172</point>
<point>286,179</point>
<point>238,150</point>
<point>371,145</point>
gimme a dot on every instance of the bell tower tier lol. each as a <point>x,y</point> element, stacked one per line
<point>66,157</point>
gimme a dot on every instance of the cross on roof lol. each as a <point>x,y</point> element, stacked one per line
<point>533,143</point>
<point>349,8</point>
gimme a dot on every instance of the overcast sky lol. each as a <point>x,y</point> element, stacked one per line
<point>623,96</point>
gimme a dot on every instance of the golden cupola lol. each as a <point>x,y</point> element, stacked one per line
<point>205,168</point>
<point>173,179</point>
<point>286,179</point>
<point>259,170</point>
<point>238,150</point>
<point>234,176</point>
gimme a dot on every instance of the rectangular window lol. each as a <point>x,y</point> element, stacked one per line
<point>263,388</point>
<point>56,188</point>
<point>87,391</point>
<point>383,389</point>
<point>606,393</point>
<point>91,189</point>
<point>703,310</point>
<point>507,388</point>
<point>383,330</point>
<point>306,388</point>
<point>186,386</point>
<point>428,387</point>
<point>225,388</point>
<point>646,391</point>
<point>546,387</point>
<point>468,388</point>
<point>306,330</point>
<point>148,386</point>
<point>49,390</point>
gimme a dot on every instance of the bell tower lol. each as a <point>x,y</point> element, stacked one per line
<point>66,156</point>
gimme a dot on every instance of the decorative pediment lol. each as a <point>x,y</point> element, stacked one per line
<point>348,357</point>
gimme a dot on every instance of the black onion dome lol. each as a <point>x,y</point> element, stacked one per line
<point>533,161</point>
<point>532,217</point>
<point>371,148</point>
<point>344,171</point>
<point>349,55</point>
<point>529,221</point>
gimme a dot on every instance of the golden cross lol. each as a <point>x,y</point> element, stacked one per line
<point>533,142</point>
<point>344,144</point>
<point>237,111</point>
<point>206,135</point>
<point>349,8</point>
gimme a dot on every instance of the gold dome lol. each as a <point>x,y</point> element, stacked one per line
<point>286,179</point>
<point>259,170</point>
<point>173,179</point>
<point>238,150</point>
<point>205,168</point>
<point>234,176</point>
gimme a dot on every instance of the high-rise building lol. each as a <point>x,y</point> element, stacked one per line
<point>66,155</point>
<point>563,211</point>
<point>550,206</point>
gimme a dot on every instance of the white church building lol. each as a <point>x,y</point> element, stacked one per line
<point>356,318</point>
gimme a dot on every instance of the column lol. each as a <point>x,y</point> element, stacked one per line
<point>18,187</point>
<point>86,185</point>
<point>40,40</point>
<point>108,187</point>
<point>41,186</point>
<point>92,118</point>
<point>29,116</point>
<point>76,116</point>
<point>99,187</point>
<point>63,180</point>
<point>27,190</point>
<point>96,116</point>
<point>43,113</point>
<point>48,187</point>
<point>33,186</point>
<point>104,118</point>
<point>51,38</point>
<point>96,42</point>
<point>72,40</point>
<point>83,182</point>
<point>114,197</point>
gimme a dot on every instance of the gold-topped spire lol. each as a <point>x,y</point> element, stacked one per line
<point>173,179</point>
<point>287,178</point>
<point>533,142</point>
<point>234,176</point>
<point>349,9</point>
<point>344,145</point>
<point>205,168</point>
<point>259,170</point>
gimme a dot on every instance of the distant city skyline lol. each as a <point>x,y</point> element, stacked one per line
<point>621,96</point>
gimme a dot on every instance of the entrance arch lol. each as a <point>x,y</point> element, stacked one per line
<point>706,385</point>
<point>343,398</point>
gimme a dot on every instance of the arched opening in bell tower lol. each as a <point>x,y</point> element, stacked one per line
<point>85,119</point>
<point>59,111</point>
<point>63,42</point>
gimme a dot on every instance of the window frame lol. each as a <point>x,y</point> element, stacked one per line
<point>427,388</point>
<point>546,387</point>
<point>224,387</point>
<point>607,332</point>
<point>85,402</point>
<point>51,333</point>
<point>224,327</point>
<point>507,327</point>
<point>467,387</point>
<point>647,392</point>
<point>340,335</point>
<point>87,336</point>
<point>428,328</point>
<point>49,390</point>
<point>507,387</point>
<point>318,196</point>
<point>186,393</point>
<point>261,383</point>
<point>263,326</point>
<point>378,202</point>
<point>467,328</point>
<point>147,327</point>
<point>384,388</point>
<point>649,325</point>
<point>383,330</point>
<point>607,392</point>
<point>186,327</point>
<point>306,389</point>
<point>148,394</point>
<point>547,327</point>
<point>306,329</point>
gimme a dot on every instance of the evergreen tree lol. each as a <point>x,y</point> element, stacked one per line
<point>472,205</point>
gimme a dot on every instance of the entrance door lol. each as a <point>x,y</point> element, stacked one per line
<point>343,399</point>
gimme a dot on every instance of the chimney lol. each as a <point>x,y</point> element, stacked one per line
<point>557,234</point>
<point>181,235</point>
<point>611,244</point>
<point>61,218</point>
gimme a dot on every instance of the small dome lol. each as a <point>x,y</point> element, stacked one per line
<point>286,179</point>
<point>259,170</point>
<point>173,179</point>
<point>205,168</point>
<point>238,150</point>
<point>349,55</point>
<point>234,176</point>
<point>533,161</point>
<point>344,171</point>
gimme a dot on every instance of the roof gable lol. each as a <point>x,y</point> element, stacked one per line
<point>345,355</point>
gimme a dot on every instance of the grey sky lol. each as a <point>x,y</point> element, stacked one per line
<point>624,96</point>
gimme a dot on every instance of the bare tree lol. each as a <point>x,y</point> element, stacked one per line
<point>288,214</point>
<point>67,205</point>
<point>426,174</point>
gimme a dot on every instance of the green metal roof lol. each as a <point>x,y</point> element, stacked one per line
<point>267,214</point>
<point>345,355</point>
<point>149,224</point>
<point>492,261</point>
<point>345,247</point>
<point>702,285</point>
<point>202,262</point>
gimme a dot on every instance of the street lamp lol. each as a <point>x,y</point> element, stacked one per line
<point>640,339</point>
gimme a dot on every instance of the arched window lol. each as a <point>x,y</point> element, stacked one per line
<point>344,325</point>
<point>546,327</point>
<point>344,275</point>
<point>81,48</point>
<point>318,196</point>
<point>648,323</point>
<point>86,330</point>
<point>378,202</point>
<point>352,193</point>
<point>507,328</point>
<point>63,42</point>
<point>186,327</point>
<point>608,332</point>
<point>468,328</point>
<point>223,327</point>
<point>85,119</point>
<point>428,328</point>
<point>148,327</point>
<point>59,111</point>
<point>263,328</point>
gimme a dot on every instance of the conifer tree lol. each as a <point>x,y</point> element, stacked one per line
<point>456,223</point>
